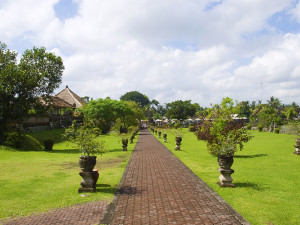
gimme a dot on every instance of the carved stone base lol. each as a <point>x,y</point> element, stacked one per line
<point>225,178</point>
<point>297,150</point>
<point>178,143</point>
<point>87,184</point>
<point>177,147</point>
<point>165,137</point>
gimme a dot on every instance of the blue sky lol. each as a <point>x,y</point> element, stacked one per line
<point>66,9</point>
<point>199,50</point>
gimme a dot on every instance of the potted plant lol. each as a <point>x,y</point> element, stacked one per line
<point>224,136</point>
<point>159,132</point>
<point>89,145</point>
<point>294,128</point>
<point>48,144</point>
<point>178,133</point>
<point>165,135</point>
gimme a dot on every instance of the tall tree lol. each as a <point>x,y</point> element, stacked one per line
<point>104,112</point>
<point>136,96</point>
<point>244,109</point>
<point>22,85</point>
<point>180,110</point>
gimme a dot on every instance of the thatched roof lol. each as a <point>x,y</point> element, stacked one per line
<point>70,97</point>
<point>59,103</point>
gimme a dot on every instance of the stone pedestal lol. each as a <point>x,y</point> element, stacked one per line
<point>225,178</point>
<point>87,184</point>
<point>297,150</point>
<point>178,143</point>
<point>159,134</point>
<point>165,137</point>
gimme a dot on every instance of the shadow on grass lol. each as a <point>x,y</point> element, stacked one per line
<point>250,185</point>
<point>105,188</point>
<point>250,156</point>
<point>65,151</point>
<point>116,150</point>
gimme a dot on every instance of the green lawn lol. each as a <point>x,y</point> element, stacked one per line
<point>36,181</point>
<point>267,176</point>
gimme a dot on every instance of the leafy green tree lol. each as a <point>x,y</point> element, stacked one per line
<point>137,115</point>
<point>136,97</point>
<point>180,110</point>
<point>23,85</point>
<point>104,112</point>
<point>244,109</point>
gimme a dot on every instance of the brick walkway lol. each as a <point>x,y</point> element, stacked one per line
<point>84,214</point>
<point>157,188</point>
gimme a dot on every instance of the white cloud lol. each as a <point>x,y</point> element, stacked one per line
<point>168,49</point>
<point>278,70</point>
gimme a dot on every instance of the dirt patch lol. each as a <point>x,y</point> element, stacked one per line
<point>105,163</point>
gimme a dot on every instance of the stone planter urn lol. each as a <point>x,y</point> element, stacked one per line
<point>87,164</point>
<point>165,137</point>
<point>124,144</point>
<point>297,147</point>
<point>178,143</point>
<point>48,144</point>
<point>96,175</point>
<point>225,163</point>
<point>155,131</point>
<point>159,134</point>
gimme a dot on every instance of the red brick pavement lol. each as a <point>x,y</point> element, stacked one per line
<point>157,188</point>
<point>84,214</point>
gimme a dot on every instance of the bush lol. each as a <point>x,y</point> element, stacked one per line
<point>31,144</point>
<point>97,131</point>
<point>260,127</point>
<point>48,144</point>
<point>15,139</point>
<point>249,127</point>
<point>192,128</point>
<point>176,125</point>
<point>277,130</point>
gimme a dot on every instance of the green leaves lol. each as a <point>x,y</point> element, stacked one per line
<point>104,112</point>
<point>37,75</point>
<point>85,139</point>
<point>180,110</point>
<point>221,131</point>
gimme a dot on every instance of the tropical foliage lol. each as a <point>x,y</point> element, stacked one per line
<point>224,135</point>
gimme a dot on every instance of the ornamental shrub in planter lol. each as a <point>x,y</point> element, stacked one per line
<point>224,136</point>
<point>89,145</point>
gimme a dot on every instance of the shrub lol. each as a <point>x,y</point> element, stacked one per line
<point>176,125</point>
<point>31,144</point>
<point>15,139</point>
<point>276,130</point>
<point>192,128</point>
<point>97,131</point>
<point>249,127</point>
<point>48,144</point>
<point>260,127</point>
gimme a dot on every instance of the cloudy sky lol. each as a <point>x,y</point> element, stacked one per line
<point>199,50</point>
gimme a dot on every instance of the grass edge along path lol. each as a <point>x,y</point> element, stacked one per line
<point>266,176</point>
<point>33,182</point>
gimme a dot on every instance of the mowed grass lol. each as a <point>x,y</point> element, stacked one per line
<point>37,181</point>
<point>267,176</point>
